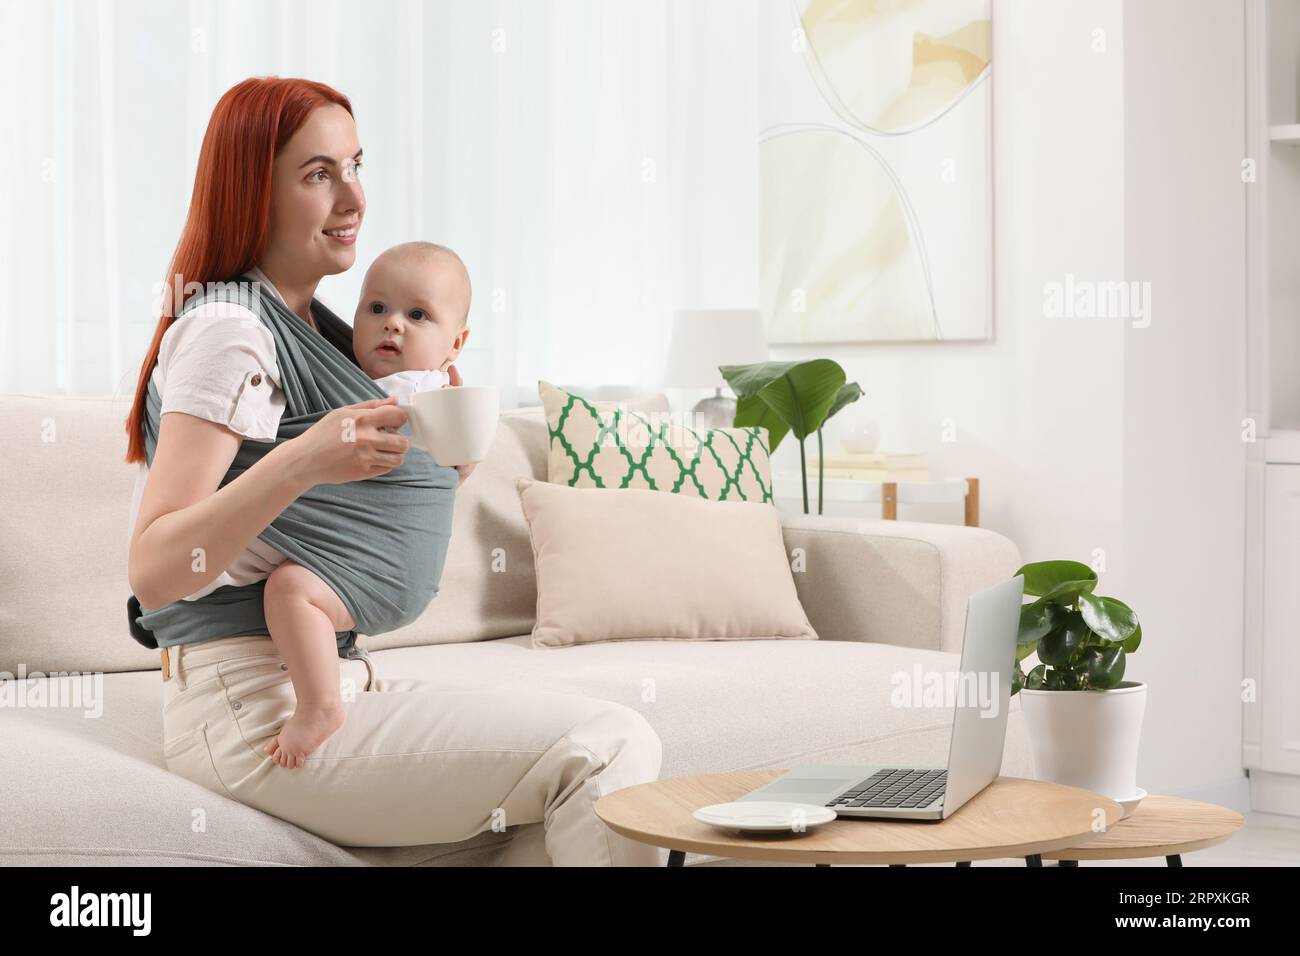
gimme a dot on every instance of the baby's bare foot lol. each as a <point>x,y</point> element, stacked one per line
<point>307,729</point>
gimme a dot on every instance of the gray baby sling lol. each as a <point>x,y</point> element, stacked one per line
<point>379,543</point>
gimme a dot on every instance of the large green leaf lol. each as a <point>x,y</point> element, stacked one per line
<point>849,393</point>
<point>1134,640</point>
<point>1104,666</point>
<point>752,410</point>
<point>748,380</point>
<point>804,393</point>
<point>1042,577</point>
<point>1067,592</point>
<point>1058,647</point>
<point>1112,620</point>
<point>1037,620</point>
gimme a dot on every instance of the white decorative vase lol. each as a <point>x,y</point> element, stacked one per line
<point>1087,738</point>
<point>862,437</point>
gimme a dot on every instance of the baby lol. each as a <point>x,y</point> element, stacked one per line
<point>409,326</point>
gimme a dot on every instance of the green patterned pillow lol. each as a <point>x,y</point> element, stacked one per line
<point>609,445</point>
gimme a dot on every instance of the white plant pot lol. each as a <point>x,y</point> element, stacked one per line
<point>1087,738</point>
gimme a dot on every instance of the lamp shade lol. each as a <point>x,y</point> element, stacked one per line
<point>703,339</point>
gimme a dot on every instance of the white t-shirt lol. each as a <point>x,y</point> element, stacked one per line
<point>217,362</point>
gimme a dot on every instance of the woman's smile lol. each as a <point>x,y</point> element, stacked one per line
<point>346,234</point>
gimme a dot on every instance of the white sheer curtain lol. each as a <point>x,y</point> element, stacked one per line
<point>547,141</point>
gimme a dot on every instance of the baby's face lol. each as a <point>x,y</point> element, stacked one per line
<point>417,301</point>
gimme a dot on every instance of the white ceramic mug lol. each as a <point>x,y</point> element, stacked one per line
<point>455,424</point>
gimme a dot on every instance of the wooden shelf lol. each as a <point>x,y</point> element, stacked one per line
<point>1287,135</point>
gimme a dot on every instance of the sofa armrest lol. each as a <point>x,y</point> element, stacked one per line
<point>892,582</point>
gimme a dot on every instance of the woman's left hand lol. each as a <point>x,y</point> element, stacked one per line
<point>464,470</point>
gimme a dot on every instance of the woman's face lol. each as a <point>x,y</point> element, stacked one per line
<point>317,202</point>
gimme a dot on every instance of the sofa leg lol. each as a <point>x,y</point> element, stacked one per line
<point>1033,859</point>
<point>676,857</point>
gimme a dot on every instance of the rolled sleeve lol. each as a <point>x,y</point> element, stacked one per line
<point>218,363</point>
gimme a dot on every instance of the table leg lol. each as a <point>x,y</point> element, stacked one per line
<point>1034,859</point>
<point>1174,859</point>
<point>676,857</point>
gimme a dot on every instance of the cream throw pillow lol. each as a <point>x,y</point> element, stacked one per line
<point>635,564</point>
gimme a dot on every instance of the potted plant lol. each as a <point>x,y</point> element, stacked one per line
<point>1085,720</point>
<point>798,397</point>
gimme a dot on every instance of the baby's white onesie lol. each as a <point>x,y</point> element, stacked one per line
<point>405,384</point>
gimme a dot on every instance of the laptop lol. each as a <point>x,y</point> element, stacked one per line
<point>982,694</point>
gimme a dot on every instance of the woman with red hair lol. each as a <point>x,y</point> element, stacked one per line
<point>277,205</point>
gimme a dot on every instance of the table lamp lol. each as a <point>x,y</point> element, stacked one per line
<point>703,339</point>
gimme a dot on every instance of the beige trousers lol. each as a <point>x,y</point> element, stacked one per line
<point>411,765</point>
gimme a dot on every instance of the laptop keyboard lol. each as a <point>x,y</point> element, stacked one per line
<point>902,789</point>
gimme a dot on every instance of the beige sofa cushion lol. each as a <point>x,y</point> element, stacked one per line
<point>65,501</point>
<point>626,564</point>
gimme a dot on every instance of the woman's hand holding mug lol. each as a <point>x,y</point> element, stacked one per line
<point>352,443</point>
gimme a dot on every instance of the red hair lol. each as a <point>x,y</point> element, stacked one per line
<point>230,210</point>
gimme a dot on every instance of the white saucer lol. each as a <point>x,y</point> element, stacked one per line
<point>1130,803</point>
<point>766,815</point>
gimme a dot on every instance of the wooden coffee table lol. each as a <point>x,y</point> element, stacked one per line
<point>1160,826</point>
<point>1011,817</point>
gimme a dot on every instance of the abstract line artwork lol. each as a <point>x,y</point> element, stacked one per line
<point>875,172</point>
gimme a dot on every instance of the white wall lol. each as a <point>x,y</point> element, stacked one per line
<point>1184,381</point>
<point>1032,411</point>
<point>1114,159</point>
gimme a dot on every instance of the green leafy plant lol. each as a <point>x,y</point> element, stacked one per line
<point>798,397</point>
<point>1081,638</point>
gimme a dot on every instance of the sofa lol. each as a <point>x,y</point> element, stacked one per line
<point>82,778</point>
